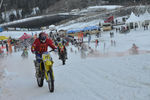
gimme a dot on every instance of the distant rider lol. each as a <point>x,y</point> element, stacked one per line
<point>134,49</point>
<point>61,48</point>
<point>25,52</point>
<point>39,46</point>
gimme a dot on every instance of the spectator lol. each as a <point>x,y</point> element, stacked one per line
<point>116,29</point>
<point>96,43</point>
<point>89,39</point>
<point>2,43</point>
<point>116,21</point>
<point>7,48</point>
<point>1,51</point>
<point>146,26</point>
<point>111,34</point>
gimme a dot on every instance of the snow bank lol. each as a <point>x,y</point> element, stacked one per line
<point>109,7</point>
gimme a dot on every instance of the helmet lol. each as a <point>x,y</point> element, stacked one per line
<point>63,42</point>
<point>42,37</point>
<point>58,39</point>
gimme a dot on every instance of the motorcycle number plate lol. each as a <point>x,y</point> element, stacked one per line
<point>46,57</point>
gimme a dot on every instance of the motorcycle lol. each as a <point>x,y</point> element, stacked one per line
<point>24,54</point>
<point>62,56</point>
<point>46,71</point>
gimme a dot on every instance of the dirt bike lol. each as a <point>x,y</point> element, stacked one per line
<point>24,54</point>
<point>62,56</point>
<point>46,71</point>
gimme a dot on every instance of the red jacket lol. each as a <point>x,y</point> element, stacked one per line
<point>42,47</point>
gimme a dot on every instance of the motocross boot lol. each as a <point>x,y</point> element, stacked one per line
<point>37,68</point>
<point>66,55</point>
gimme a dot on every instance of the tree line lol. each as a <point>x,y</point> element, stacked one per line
<point>27,6</point>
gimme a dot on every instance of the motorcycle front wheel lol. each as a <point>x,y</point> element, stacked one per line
<point>63,61</point>
<point>50,81</point>
<point>40,80</point>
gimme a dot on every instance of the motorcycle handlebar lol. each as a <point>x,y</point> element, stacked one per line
<point>51,50</point>
<point>55,50</point>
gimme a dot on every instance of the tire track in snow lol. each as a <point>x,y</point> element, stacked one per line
<point>85,77</point>
<point>97,74</point>
<point>114,78</point>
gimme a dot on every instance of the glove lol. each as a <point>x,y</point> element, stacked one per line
<point>33,52</point>
<point>55,50</point>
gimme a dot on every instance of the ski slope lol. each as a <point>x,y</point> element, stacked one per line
<point>112,77</point>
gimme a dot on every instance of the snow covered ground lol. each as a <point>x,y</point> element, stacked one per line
<point>97,77</point>
<point>109,73</point>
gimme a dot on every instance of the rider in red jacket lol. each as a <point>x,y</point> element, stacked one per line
<point>40,46</point>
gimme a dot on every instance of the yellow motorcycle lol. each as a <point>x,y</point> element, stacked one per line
<point>46,71</point>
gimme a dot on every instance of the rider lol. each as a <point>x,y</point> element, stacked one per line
<point>25,52</point>
<point>134,49</point>
<point>39,46</point>
<point>61,47</point>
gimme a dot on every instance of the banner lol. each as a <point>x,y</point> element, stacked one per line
<point>109,20</point>
<point>1,29</point>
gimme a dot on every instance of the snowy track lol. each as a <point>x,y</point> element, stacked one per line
<point>114,78</point>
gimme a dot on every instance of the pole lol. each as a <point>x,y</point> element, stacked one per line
<point>5,10</point>
<point>1,3</point>
<point>66,3</point>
